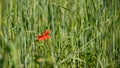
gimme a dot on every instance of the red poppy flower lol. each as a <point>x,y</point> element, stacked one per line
<point>44,36</point>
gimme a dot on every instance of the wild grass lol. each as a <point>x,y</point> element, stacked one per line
<point>85,33</point>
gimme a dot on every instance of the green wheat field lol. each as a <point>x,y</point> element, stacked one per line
<point>84,33</point>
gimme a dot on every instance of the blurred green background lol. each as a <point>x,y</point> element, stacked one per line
<point>85,33</point>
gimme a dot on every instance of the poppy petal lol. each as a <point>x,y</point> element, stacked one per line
<point>47,32</point>
<point>44,37</point>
